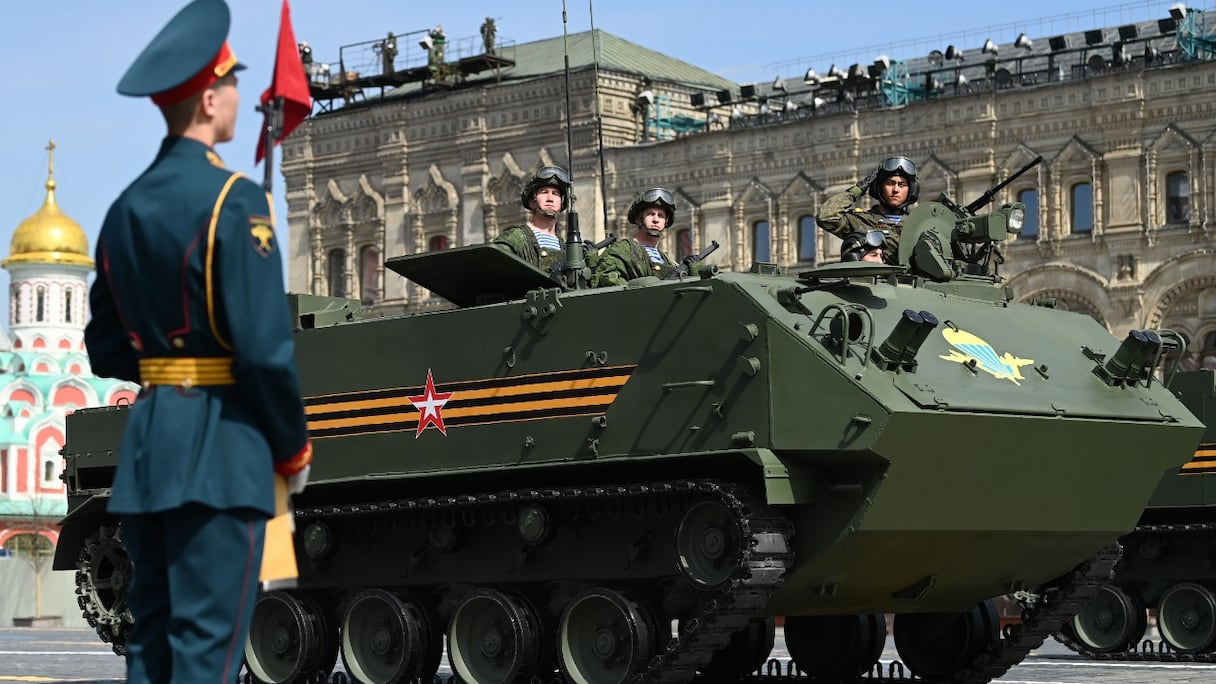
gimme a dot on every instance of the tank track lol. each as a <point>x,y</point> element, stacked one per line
<point>1044,611</point>
<point>1147,650</point>
<point>760,565</point>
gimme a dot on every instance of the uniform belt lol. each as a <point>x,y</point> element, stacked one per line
<point>187,371</point>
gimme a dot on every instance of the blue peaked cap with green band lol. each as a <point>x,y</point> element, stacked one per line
<point>189,54</point>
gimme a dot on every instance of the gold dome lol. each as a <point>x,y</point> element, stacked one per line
<point>49,236</point>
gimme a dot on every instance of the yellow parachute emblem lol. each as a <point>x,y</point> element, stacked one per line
<point>971,349</point>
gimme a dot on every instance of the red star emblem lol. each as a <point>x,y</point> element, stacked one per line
<point>429,405</point>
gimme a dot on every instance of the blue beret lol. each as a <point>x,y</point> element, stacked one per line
<point>194,40</point>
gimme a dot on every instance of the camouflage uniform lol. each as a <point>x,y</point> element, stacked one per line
<point>625,260</point>
<point>839,217</point>
<point>520,241</point>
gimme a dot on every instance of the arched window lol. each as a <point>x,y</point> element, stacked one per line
<point>1177,197</point>
<point>806,240</point>
<point>1207,357</point>
<point>438,242</point>
<point>67,305</point>
<point>761,245</point>
<point>1081,209</point>
<point>337,273</point>
<point>683,243</point>
<point>369,272</point>
<point>40,304</point>
<point>1030,228</point>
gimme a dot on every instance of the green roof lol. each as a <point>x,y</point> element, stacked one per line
<point>546,57</point>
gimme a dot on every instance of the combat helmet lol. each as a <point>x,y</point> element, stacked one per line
<point>856,245</point>
<point>654,197</point>
<point>546,176</point>
<point>896,166</point>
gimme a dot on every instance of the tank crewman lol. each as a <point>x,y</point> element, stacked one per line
<point>652,212</point>
<point>866,246</point>
<point>189,302</point>
<point>895,187</point>
<point>545,195</point>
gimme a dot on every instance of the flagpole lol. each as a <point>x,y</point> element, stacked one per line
<point>272,124</point>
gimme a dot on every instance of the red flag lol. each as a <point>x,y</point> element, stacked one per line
<point>289,82</point>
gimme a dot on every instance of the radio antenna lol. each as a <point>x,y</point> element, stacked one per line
<point>599,114</point>
<point>575,267</point>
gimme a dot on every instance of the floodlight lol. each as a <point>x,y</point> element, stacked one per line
<point>835,72</point>
<point>811,78</point>
<point>1128,32</point>
<point>989,47</point>
<point>724,96</point>
<point>1096,62</point>
<point>779,84</point>
<point>1023,42</point>
<point>698,99</point>
<point>646,98</point>
<point>1178,11</point>
<point>1093,37</point>
<point>1058,43</point>
<point>936,57</point>
<point>747,92</point>
<point>882,63</point>
<point>1167,26</point>
<point>952,53</point>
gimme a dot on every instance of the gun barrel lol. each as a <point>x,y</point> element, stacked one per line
<point>991,192</point>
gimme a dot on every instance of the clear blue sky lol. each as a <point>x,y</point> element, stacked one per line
<point>63,59</point>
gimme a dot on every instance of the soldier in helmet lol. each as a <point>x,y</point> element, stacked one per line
<point>546,194</point>
<point>866,247</point>
<point>895,187</point>
<point>652,212</point>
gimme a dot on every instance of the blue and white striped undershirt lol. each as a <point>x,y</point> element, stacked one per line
<point>655,255</point>
<point>547,240</point>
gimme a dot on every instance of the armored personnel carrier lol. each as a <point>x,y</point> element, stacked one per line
<point>546,479</point>
<point>1167,561</point>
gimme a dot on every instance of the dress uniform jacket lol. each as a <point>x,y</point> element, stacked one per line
<point>189,301</point>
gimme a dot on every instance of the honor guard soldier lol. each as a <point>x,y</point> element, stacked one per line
<point>652,212</point>
<point>189,302</point>
<point>546,194</point>
<point>895,187</point>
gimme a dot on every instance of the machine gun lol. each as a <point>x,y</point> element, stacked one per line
<point>686,263</point>
<point>942,240</point>
<point>590,249</point>
<point>983,200</point>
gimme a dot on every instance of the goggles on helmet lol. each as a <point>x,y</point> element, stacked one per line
<point>658,195</point>
<point>553,173</point>
<point>900,164</point>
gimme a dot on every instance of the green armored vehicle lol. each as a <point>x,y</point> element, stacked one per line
<point>546,479</point>
<point>1166,562</point>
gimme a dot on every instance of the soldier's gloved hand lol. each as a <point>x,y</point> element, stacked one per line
<point>866,182</point>
<point>296,483</point>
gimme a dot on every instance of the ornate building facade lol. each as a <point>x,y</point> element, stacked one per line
<point>44,371</point>
<point>1122,205</point>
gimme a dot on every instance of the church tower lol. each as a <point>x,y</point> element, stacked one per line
<point>48,265</point>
